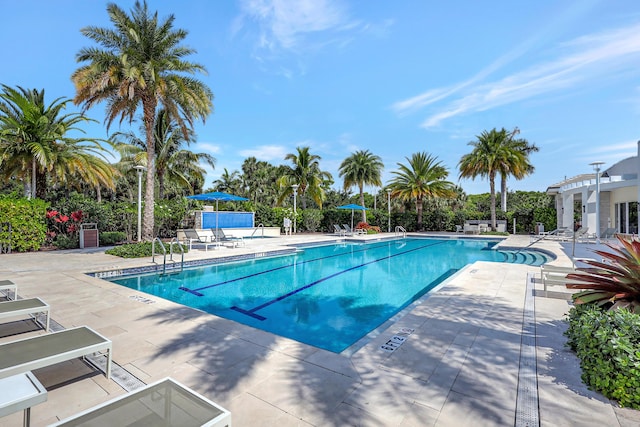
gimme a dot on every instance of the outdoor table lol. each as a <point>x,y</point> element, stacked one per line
<point>21,392</point>
<point>165,403</point>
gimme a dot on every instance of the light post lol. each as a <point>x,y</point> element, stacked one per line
<point>295,195</point>
<point>596,166</point>
<point>140,169</point>
<point>389,209</point>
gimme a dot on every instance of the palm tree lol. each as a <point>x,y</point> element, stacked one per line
<point>35,145</point>
<point>424,177</point>
<point>259,179</point>
<point>517,163</point>
<point>228,182</point>
<point>491,155</point>
<point>307,174</point>
<point>173,163</point>
<point>361,168</point>
<point>141,65</point>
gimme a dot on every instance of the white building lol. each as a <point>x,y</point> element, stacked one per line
<point>575,198</point>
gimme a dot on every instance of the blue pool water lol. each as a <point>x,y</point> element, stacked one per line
<point>326,296</point>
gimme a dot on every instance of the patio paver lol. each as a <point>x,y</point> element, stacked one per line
<point>459,367</point>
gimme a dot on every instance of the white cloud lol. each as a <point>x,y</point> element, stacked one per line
<point>284,23</point>
<point>209,147</point>
<point>622,146</point>
<point>266,152</point>
<point>584,60</point>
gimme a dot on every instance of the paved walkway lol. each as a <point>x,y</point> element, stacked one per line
<point>459,367</point>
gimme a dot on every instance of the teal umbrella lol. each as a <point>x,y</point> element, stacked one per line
<point>353,208</point>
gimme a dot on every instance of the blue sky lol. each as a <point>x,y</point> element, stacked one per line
<point>392,77</point>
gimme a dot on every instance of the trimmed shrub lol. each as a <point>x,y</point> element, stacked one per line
<point>109,238</point>
<point>27,220</point>
<point>138,250</point>
<point>608,346</point>
<point>311,219</point>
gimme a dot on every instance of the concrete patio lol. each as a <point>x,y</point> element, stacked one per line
<point>459,367</point>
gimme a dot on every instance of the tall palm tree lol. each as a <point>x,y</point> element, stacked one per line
<point>35,144</point>
<point>228,182</point>
<point>259,179</point>
<point>306,173</point>
<point>517,163</point>
<point>141,65</point>
<point>361,168</point>
<point>174,163</point>
<point>490,156</point>
<point>424,177</point>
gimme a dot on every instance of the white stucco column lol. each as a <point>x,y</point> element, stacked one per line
<point>567,211</point>
<point>589,207</point>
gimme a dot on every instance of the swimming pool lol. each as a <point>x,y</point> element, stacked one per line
<point>327,296</point>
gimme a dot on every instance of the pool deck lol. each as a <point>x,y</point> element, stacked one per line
<point>459,367</point>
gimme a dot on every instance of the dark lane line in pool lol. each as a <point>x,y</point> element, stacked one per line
<point>197,292</point>
<point>252,311</point>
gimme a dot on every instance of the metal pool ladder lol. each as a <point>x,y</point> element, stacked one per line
<point>259,227</point>
<point>400,229</point>
<point>173,242</point>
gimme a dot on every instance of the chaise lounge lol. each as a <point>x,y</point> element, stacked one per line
<point>192,236</point>
<point>36,352</point>
<point>164,403</point>
<point>22,307</point>
<point>8,285</point>
<point>221,238</point>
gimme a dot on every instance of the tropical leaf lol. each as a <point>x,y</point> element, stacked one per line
<point>612,282</point>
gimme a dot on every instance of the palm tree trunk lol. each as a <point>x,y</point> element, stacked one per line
<point>33,178</point>
<point>160,186</point>
<point>364,213</point>
<point>503,193</point>
<point>419,209</point>
<point>492,184</point>
<point>149,107</point>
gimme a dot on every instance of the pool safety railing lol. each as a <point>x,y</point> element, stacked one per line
<point>259,227</point>
<point>400,229</point>
<point>172,243</point>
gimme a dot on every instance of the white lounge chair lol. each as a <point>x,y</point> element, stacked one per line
<point>339,230</point>
<point>24,307</point>
<point>221,237</point>
<point>8,285</point>
<point>36,352</point>
<point>192,236</point>
<point>164,403</point>
<point>351,231</point>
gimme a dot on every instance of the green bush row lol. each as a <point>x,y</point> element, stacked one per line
<point>110,238</point>
<point>22,223</point>
<point>138,250</point>
<point>608,346</point>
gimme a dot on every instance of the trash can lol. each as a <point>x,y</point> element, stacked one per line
<point>89,235</point>
<point>539,228</point>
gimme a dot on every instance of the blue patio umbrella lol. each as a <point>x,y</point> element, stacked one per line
<point>218,197</point>
<point>353,208</point>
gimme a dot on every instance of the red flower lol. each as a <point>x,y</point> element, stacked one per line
<point>51,214</point>
<point>76,216</point>
<point>62,218</point>
<point>71,228</point>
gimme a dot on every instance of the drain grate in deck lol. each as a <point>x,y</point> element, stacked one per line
<point>527,412</point>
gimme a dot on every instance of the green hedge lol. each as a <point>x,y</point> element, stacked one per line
<point>110,238</point>
<point>27,220</point>
<point>608,346</point>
